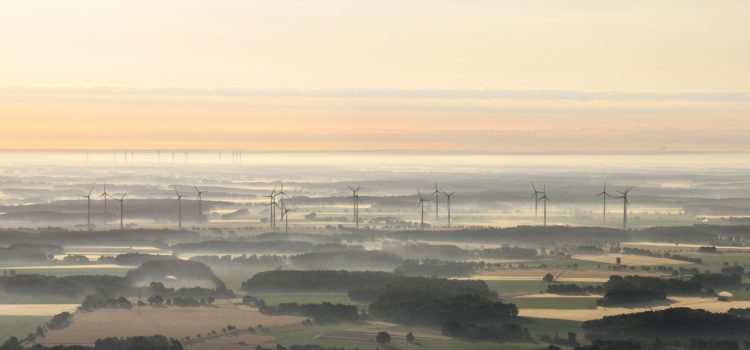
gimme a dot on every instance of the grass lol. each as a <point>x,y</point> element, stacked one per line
<point>8,298</point>
<point>19,326</point>
<point>72,272</point>
<point>714,262</point>
<point>305,335</point>
<point>514,287</point>
<point>540,326</point>
<point>234,276</point>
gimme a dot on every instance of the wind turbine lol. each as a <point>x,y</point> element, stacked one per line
<point>625,204</point>
<point>88,208</point>
<point>535,197</point>
<point>200,203</point>
<point>281,202</point>
<point>604,194</point>
<point>436,193</point>
<point>355,198</point>
<point>105,195</point>
<point>122,209</point>
<point>179,209</point>
<point>448,196</point>
<point>286,211</point>
<point>421,204</point>
<point>273,206</point>
<point>545,199</point>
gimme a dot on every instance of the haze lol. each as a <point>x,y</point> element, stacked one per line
<point>480,76</point>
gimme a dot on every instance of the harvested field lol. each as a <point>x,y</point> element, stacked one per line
<point>35,309</point>
<point>172,322</point>
<point>708,304</point>
<point>628,259</point>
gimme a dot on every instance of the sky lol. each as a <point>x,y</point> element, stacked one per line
<point>475,76</point>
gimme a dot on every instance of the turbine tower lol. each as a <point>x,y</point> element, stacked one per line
<point>545,199</point>
<point>122,209</point>
<point>421,204</point>
<point>88,208</point>
<point>436,193</point>
<point>272,204</point>
<point>286,218</point>
<point>179,208</point>
<point>625,204</point>
<point>535,197</point>
<point>281,201</point>
<point>604,194</point>
<point>200,203</point>
<point>355,199</point>
<point>105,195</point>
<point>448,197</point>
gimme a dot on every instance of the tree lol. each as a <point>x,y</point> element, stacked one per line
<point>156,300</point>
<point>12,344</point>
<point>410,337</point>
<point>548,278</point>
<point>383,338</point>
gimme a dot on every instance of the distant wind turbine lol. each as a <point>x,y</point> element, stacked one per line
<point>355,199</point>
<point>421,204</point>
<point>200,203</point>
<point>286,218</point>
<point>272,204</point>
<point>105,195</point>
<point>545,199</point>
<point>282,194</point>
<point>88,208</point>
<point>179,208</point>
<point>448,197</point>
<point>625,204</point>
<point>436,193</point>
<point>122,209</point>
<point>604,194</point>
<point>535,197</point>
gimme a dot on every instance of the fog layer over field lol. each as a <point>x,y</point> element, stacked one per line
<point>44,188</point>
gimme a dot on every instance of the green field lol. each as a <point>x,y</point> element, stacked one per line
<point>308,334</point>
<point>19,326</point>
<point>514,287</point>
<point>73,271</point>
<point>233,277</point>
<point>529,287</point>
<point>8,298</point>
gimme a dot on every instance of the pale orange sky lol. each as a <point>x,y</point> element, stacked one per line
<point>488,76</point>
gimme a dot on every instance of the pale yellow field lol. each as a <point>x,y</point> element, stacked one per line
<point>628,259</point>
<point>708,304</point>
<point>35,309</point>
<point>175,322</point>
